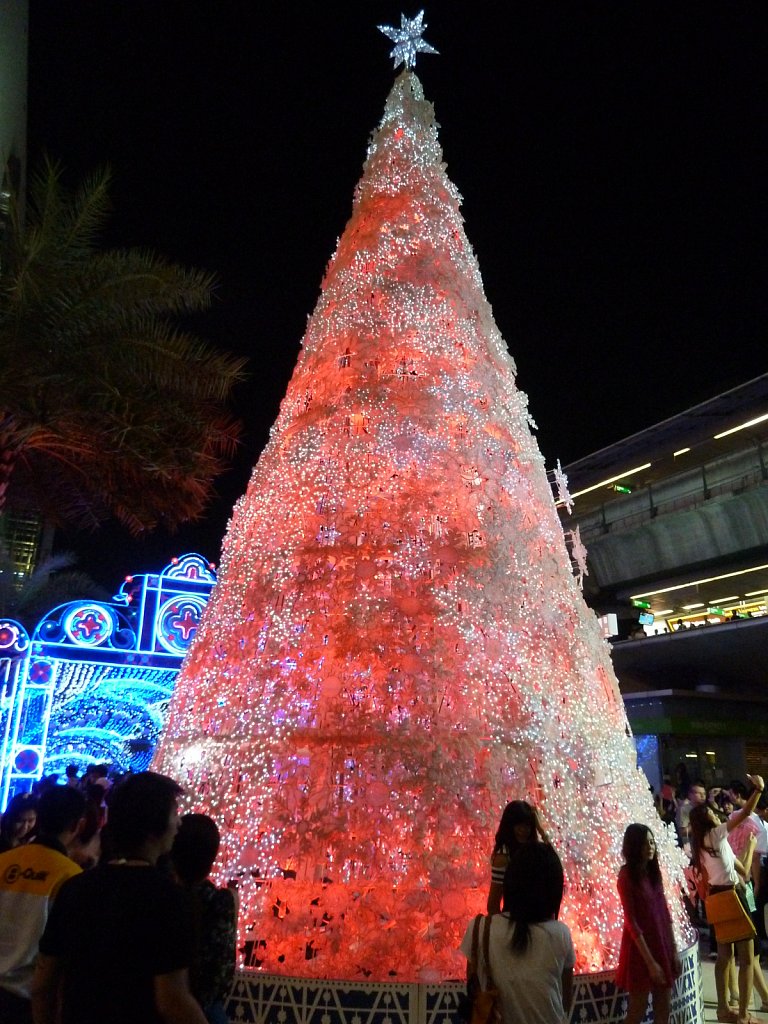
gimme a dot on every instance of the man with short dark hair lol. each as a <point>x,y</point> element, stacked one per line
<point>194,851</point>
<point>696,795</point>
<point>135,917</point>
<point>31,876</point>
<point>739,794</point>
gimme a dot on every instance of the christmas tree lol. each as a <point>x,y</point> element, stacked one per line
<point>397,646</point>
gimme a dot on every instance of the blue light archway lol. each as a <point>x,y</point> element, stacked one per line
<point>93,683</point>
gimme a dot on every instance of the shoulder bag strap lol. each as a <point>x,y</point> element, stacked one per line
<point>486,952</point>
<point>475,937</point>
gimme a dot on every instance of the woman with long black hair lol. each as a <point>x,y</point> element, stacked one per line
<point>648,960</point>
<point>530,952</point>
<point>519,825</point>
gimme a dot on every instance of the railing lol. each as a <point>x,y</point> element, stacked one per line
<point>683,493</point>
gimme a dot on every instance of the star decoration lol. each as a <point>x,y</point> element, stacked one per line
<point>407,39</point>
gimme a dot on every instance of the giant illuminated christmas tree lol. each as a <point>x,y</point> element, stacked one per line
<point>397,645</point>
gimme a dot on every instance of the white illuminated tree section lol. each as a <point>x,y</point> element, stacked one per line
<point>396,645</point>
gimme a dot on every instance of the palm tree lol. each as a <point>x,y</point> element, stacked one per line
<point>107,408</point>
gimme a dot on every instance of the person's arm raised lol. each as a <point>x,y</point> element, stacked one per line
<point>744,812</point>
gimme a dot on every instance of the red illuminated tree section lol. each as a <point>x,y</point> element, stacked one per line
<point>396,646</point>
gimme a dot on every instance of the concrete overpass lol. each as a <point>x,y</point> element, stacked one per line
<point>676,517</point>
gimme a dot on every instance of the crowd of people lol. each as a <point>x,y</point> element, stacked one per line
<point>123,875</point>
<point>90,866</point>
<point>527,955</point>
<point>661,628</point>
<point>724,830</point>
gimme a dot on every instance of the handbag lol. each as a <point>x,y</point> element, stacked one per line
<point>482,1003</point>
<point>730,920</point>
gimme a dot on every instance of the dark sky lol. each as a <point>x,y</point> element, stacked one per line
<point>612,157</point>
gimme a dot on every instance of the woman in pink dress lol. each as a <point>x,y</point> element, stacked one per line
<point>648,960</point>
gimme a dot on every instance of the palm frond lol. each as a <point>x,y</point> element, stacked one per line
<point>85,215</point>
<point>109,407</point>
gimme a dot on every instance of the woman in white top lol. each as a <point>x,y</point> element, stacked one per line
<point>530,952</point>
<point>710,850</point>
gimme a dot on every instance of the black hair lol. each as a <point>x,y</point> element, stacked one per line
<point>700,825</point>
<point>518,812</point>
<point>140,809</point>
<point>635,836</point>
<point>738,787</point>
<point>59,810</point>
<point>533,890</point>
<point>721,800</point>
<point>17,805</point>
<point>195,847</point>
<point>71,771</point>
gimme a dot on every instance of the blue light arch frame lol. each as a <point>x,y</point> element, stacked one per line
<point>14,649</point>
<point>95,678</point>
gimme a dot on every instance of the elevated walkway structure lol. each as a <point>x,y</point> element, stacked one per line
<point>679,512</point>
<point>675,522</point>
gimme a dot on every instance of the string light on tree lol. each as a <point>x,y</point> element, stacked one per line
<point>397,645</point>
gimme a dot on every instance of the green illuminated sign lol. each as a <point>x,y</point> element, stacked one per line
<point>641,604</point>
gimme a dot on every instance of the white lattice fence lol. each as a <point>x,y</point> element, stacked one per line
<point>271,999</point>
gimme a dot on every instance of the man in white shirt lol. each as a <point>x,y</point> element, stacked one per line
<point>696,795</point>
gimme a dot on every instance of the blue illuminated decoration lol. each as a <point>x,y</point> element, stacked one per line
<point>93,683</point>
<point>649,758</point>
<point>177,622</point>
<point>192,568</point>
<point>80,624</point>
<point>14,647</point>
<point>13,639</point>
<point>89,625</point>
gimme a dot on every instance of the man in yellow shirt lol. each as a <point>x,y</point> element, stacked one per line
<point>30,877</point>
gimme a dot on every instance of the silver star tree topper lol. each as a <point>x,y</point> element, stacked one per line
<point>407,39</point>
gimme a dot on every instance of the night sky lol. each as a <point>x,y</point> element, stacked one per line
<point>613,159</point>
